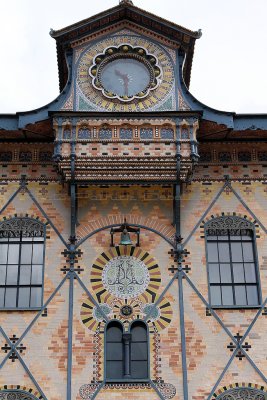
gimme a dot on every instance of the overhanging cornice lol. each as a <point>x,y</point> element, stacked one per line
<point>185,38</point>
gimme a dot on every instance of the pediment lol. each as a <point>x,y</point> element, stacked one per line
<point>131,16</point>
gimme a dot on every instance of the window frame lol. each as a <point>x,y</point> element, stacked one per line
<point>20,242</point>
<point>127,380</point>
<point>234,222</point>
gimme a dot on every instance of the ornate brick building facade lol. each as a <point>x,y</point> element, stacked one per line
<point>133,227</point>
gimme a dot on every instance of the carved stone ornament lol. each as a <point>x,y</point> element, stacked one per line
<point>28,226</point>
<point>15,395</point>
<point>223,224</point>
<point>243,394</point>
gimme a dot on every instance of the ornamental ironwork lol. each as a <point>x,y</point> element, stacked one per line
<point>243,394</point>
<point>5,156</point>
<point>84,133</point>
<point>167,133</point>
<point>15,395</point>
<point>25,156</point>
<point>228,224</point>
<point>126,133</point>
<point>146,133</point>
<point>105,133</point>
<point>45,156</point>
<point>185,133</point>
<point>27,227</point>
<point>244,156</point>
<point>205,156</point>
<point>66,134</point>
<point>225,156</point>
<point>262,155</point>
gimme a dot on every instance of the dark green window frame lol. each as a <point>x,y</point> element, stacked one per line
<point>232,265</point>
<point>22,246</point>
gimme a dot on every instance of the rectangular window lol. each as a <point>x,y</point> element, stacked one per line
<point>21,269</point>
<point>232,267</point>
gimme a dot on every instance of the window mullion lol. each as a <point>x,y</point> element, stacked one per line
<point>219,262</point>
<point>231,265</point>
<point>243,264</point>
<point>126,353</point>
<point>30,296</point>
<point>19,261</point>
<point>6,270</point>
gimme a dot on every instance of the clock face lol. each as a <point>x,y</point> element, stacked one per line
<point>150,76</point>
<point>125,77</point>
<point>125,73</point>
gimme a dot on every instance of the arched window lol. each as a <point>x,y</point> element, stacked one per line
<point>126,354</point>
<point>114,351</point>
<point>243,393</point>
<point>232,262</point>
<point>21,263</point>
<point>139,351</point>
<point>16,395</point>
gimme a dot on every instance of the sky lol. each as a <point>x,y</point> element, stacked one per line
<point>229,68</point>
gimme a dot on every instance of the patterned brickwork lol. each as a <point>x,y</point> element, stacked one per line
<point>206,340</point>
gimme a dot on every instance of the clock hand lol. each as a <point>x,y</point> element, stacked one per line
<point>125,79</point>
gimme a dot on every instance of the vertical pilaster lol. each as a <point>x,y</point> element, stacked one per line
<point>193,140</point>
<point>72,239</point>
<point>126,342</point>
<point>182,331</point>
<point>57,125</point>
<point>179,256</point>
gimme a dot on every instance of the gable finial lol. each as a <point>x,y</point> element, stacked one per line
<point>126,2</point>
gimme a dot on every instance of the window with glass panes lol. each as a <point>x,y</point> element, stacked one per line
<point>231,259</point>
<point>126,354</point>
<point>21,263</point>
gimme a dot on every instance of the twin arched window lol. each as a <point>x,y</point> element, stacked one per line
<point>21,263</point>
<point>126,354</point>
<point>232,262</point>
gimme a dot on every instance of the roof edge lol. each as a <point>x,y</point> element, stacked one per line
<point>55,34</point>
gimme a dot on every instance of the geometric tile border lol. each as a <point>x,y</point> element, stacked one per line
<point>21,392</point>
<point>235,392</point>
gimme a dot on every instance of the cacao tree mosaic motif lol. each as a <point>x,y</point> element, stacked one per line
<point>126,282</point>
<point>125,272</point>
<point>243,394</point>
<point>125,277</point>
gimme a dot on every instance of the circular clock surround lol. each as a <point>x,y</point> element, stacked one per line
<point>125,72</point>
